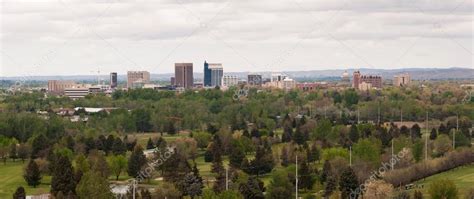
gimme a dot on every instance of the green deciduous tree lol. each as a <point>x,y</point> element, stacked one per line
<point>280,186</point>
<point>93,185</point>
<point>368,150</point>
<point>117,165</point>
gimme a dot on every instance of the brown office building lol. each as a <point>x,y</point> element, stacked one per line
<point>183,73</point>
<point>373,80</point>
<point>58,86</point>
<point>136,79</point>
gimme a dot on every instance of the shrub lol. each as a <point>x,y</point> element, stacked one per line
<point>431,167</point>
<point>443,189</point>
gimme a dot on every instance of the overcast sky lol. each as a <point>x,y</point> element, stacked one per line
<point>69,37</point>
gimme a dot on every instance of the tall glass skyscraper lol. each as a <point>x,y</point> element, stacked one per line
<point>207,74</point>
<point>217,72</point>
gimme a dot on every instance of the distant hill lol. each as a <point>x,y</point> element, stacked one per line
<point>416,74</point>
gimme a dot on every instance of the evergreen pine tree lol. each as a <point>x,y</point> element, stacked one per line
<point>287,134</point>
<point>236,156</point>
<point>416,131</point>
<point>255,133</point>
<point>63,176</point>
<point>32,174</point>
<point>252,189</point>
<point>354,134</point>
<point>348,182</point>
<point>404,130</point>
<point>306,180</point>
<point>150,144</point>
<point>118,147</point>
<point>330,186</point>
<point>299,137</point>
<point>314,154</point>
<point>136,161</point>
<point>39,144</point>
<point>217,166</point>
<point>19,193</point>
<point>208,157</point>
<point>442,129</point>
<point>433,134</point>
<point>326,171</point>
<point>192,184</point>
<point>219,184</point>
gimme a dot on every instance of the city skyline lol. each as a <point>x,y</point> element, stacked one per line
<point>51,37</point>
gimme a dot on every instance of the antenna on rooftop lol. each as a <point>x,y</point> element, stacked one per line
<point>98,75</point>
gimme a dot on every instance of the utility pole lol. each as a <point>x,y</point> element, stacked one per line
<point>296,177</point>
<point>401,117</point>
<point>378,114</point>
<point>325,111</point>
<point>134,187</point>
<point>350,155</point>
<point>426,137</point>
<point>358,116</point>
<point>226,178</point>
<point>457,122</point>
<point>392,160</point>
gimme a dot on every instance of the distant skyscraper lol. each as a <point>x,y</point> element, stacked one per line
<point>184,75</point>
<point>230,80</point>
<point>356,79</point>
<point>173,81</point>
<point>402,80</point>
<point>371,81</point>
<point>58,86</point>
<point>113,80</point>
<point>254,80</point>
<point>207,75</point>
<point>137,78</point>
<point>217,72</point>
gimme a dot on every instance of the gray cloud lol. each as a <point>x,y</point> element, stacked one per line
<point>243,34</point>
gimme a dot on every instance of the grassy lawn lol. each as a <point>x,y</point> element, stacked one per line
<point>463,177</point>
<point>11,176</point>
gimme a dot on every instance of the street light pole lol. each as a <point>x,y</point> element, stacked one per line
<point>296,177</point>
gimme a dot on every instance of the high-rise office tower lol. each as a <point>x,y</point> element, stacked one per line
<point>230,80</point>
<point>184,75</point>
<point>137,78</point>
<point>217,72</point>
<point>356,79</point>
<point>207,75</point>
<point>401,80</point>
<point>254,80</point>
<point>113,80</point>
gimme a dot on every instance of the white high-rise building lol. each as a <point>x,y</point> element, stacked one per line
<point>217,72</point>
<point>230,80</point>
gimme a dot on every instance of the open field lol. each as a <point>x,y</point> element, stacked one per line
<point>11,177</point>
<point>463,177</point>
